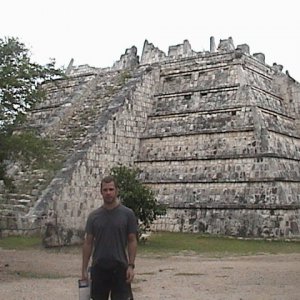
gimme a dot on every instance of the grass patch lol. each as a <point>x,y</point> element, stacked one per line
<point>35,242</point>
<point>187,243</point>
<point>21,242</point>
<point>168,243</point>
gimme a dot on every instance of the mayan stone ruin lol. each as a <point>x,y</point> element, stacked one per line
<point>216,134</point>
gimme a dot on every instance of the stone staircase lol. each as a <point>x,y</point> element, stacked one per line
<point>15,205</point>
<point>73,130</point>
<point>68,114</point>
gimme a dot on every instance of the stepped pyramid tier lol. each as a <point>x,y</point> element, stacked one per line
<point>215,133</point>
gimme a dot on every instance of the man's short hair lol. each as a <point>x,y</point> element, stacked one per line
<point>108,179</point>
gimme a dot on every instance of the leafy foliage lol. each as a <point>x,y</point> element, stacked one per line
<point>20,81</point>
<point>25,146</point>
<point>137,196</point>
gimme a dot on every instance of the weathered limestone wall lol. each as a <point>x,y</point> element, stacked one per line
<point>284,146</point>
<point>232,222</point>
<point>229,194</point>
<point>221,146</point>
<point>204,146</point>
<point>221,170</point>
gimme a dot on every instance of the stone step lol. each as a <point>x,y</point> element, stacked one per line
<point>19,196</point>
<point>7,209</point>
<point>14,201</point>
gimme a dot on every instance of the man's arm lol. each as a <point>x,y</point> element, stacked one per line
<point>87,249</point>
<point>132,248</point>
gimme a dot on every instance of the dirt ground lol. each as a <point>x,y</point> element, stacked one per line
<point>52,275</point>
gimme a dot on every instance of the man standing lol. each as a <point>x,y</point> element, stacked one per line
<point>111,240</point>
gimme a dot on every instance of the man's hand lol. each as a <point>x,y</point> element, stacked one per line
<point>86,254</point>
<point>129,274</point>
<point>84,275</point>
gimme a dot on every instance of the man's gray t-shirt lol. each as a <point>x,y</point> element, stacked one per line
<point>110,229</point>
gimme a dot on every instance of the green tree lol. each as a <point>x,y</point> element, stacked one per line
<point>137,196</point>
<point>20,82</point>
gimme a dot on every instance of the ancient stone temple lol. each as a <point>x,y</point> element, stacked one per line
<point>216,134</point>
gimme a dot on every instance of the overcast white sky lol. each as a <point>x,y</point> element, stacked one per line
<point>97,32</point>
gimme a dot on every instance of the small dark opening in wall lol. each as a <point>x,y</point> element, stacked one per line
<point>233,113</point>
<point>168,79</point>
<point>187,97</point>
<point>203,93</point>
<point>187,76</point>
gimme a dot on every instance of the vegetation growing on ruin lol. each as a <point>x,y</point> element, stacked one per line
<point>20,91</point>
<point>137,196</point>
<point>28,150</point>
<point>28,147</point>
<point>124,76</point>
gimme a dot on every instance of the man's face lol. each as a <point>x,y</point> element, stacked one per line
<point>109,192</point>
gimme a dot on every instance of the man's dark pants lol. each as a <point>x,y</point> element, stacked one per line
<point>111,281</point>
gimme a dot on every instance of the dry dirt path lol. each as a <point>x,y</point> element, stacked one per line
<point>52,275</point>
